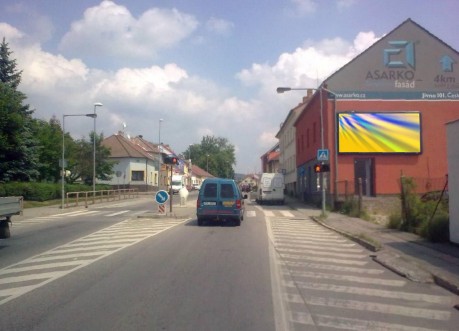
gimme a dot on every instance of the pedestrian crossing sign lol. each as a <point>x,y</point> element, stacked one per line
<point>322,155</point>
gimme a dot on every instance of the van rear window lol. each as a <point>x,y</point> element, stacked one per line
<point>227,191</point>
<point>210,190</point>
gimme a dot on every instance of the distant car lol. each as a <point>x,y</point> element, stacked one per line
<point>220,200</point>
<point>196,187</point>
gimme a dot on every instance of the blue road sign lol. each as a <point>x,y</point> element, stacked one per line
<point>322,155</point>
<point>161,197</point>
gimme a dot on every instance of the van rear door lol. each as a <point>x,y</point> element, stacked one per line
<point>210,198</point>
<point>228,199</point>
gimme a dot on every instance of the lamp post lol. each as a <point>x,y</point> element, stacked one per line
<point>322,142</point>
<point>207,163</point>
<point>159,153</point>
<point>191,166</point>
<point>97,104</point>
<point>63,153</point>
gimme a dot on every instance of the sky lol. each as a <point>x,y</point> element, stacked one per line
<point>203,67</point>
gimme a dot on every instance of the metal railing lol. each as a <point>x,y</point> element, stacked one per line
<point>74,199</point>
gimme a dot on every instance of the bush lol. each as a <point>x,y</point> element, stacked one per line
<point>33,191</point>
<point>436,230</point>
<point>350,207</point>
<point>395,221</point>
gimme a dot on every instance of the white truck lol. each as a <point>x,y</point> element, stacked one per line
<point>9,206</point>
<point>271,189</point>
<point>178,181</point>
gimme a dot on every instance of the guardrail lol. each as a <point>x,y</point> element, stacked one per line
<point>74,199</point>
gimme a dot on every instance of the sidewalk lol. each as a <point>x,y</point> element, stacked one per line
<point>404,253</point>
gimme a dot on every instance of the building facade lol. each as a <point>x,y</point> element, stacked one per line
<point>452,129</point>
<point>287,150</point>
<point>381,116</point>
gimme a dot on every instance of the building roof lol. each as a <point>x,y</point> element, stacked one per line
<point>199,172</point>
<point>121,146</point>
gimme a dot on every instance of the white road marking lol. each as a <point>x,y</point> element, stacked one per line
<point>60,261</point>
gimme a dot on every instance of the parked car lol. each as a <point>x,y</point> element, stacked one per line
<point>220,200</point>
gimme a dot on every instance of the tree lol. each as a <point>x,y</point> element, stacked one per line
<point>8,72</point>
<point>80,160</point>
<point>215,154</point>
<point>49,135</point>
<point>18,148</point>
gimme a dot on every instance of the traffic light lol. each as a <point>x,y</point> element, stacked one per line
<point>318,167</point>
<point>170,160</point>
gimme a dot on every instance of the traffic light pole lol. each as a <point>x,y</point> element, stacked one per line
<point>171,194</point>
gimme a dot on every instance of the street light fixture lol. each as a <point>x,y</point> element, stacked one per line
<point>97,104</point>
<point>322,142</point>
<point>63,152</point>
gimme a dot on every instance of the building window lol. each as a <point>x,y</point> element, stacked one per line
<point>314,133</point>
<point>137,175</point>
<point>307,138</point>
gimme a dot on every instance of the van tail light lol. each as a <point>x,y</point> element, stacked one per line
<point>198,203</point>
<point>238,204</point>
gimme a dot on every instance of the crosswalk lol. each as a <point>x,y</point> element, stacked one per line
<point>326,282</point>
<point>34,272</point>
<point>74,214</point>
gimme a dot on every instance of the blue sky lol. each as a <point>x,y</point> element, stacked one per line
<point>205,67</point>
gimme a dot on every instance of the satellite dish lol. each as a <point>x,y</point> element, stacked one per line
<point>124,125</point>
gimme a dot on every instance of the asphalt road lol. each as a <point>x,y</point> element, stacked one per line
<point>107,269</point>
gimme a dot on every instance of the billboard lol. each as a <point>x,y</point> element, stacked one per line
<point>381,132</point>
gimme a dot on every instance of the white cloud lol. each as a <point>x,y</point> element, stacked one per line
<point>110,30</point>
<point>9,32</point>
<point>220,26</point>
<point>304,7</point>
<point>191,106</point>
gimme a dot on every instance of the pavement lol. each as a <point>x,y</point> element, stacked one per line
<point>407,254</point>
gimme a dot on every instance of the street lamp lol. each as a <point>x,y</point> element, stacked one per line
<point>191,166</point>
<point>63,152</point>
<point>159,153</point>
<point>207,163</point>
<point>322,143</point>
<point>97,104</point>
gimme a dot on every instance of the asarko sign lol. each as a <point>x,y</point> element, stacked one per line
<point>408,63</point>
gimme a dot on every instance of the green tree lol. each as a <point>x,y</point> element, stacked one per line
<point>214,154</point>
<point>8,72</point>
<point>80,158</point>
<point>49,134</point>
<point>18,147</point>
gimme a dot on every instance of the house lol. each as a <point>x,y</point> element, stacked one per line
<point>198,175</point>
<point>287,150</point>
<point>379,117</point>
<point>270,160</point>
<point>135,166</point>
<point>249,182</point>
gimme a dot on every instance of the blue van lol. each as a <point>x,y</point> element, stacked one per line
<point>220,200</point>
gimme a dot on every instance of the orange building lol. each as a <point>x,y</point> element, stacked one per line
<point>380,116</point>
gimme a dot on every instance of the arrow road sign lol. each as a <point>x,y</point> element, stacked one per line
<point>161,197</point>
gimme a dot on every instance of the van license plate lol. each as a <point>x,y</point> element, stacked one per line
<point>209,203</point>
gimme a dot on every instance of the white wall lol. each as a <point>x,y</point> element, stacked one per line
<point>452,136</point>
<point>126,166</point>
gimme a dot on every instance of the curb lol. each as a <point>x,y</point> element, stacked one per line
<point>368,245</point>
